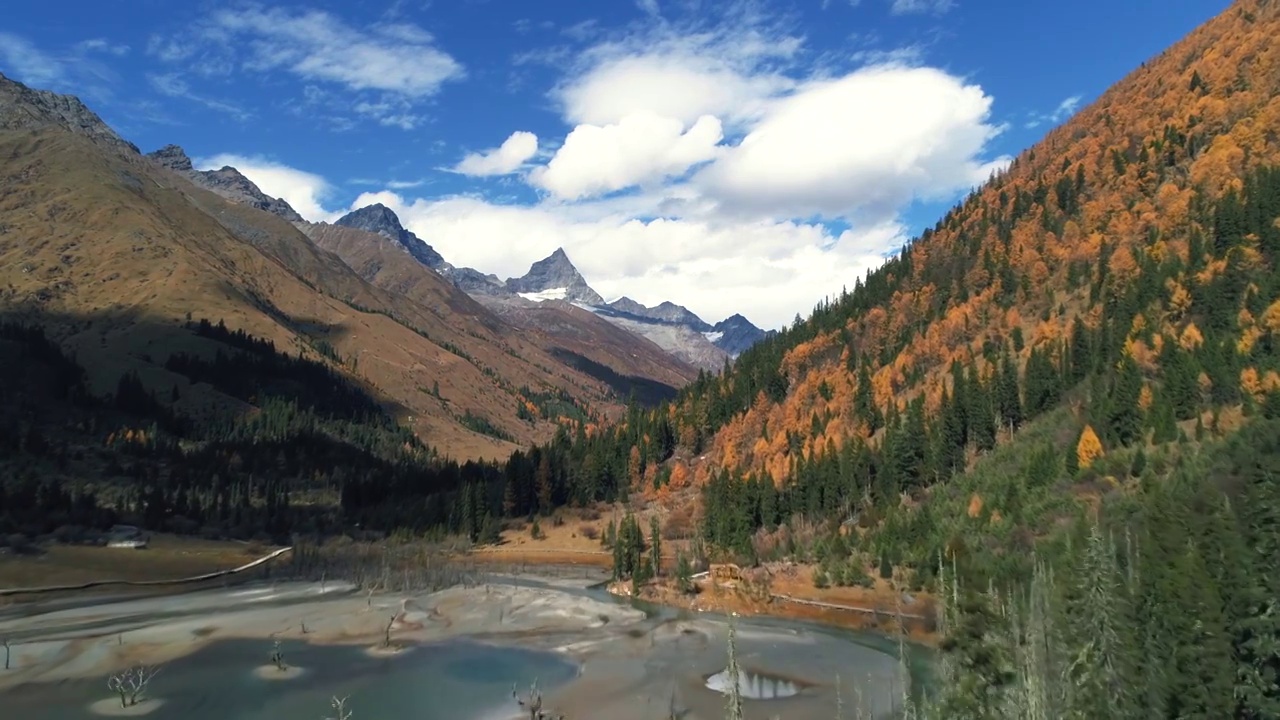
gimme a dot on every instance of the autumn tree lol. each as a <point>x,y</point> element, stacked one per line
<point>1088,447</point>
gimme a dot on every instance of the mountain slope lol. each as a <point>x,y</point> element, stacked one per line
<point>113,253</point>
<point>1113,296</point>
<point>554,278</point>
<point>1113,197</point>
<point>380,220</point>
<point>226,181</point>
<point>383,260</point>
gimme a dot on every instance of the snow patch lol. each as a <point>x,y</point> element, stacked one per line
<point>549,294</point>
<point>713,335</point>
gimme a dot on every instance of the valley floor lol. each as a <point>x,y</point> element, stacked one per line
<point>629,667</point>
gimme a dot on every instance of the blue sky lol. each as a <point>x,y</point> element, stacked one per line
<point>730,156</point>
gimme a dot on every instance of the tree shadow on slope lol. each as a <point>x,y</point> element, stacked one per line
<point>648,393</point>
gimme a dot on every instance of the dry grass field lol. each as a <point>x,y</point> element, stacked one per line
<point>167,557</point>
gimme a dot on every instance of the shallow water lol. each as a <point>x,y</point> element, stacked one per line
<point>754,685</point>
<point>454,679</point>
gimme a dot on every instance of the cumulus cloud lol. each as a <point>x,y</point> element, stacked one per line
<point>502,160</point>
<point>870,142</point>
<point>768,271</point>
<point>683,88</point>
<point>682,78</point>
<point>717,167</point>
<point>305,191</point>
<point>641,148</point>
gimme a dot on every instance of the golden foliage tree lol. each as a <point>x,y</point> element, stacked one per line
<point>1089,448</point>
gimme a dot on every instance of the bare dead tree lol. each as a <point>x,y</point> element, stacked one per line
<point>304,627</point>
<point>6,653</point>
<point>277,657</point>
<point>733,711</point>
<point>388,567</point>
<point>340,710</point>
<point>386,639</point>
<point>131,684</point>
<point>533,703</point>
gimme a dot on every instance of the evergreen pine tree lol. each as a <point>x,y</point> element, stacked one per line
<point>1124,421</point>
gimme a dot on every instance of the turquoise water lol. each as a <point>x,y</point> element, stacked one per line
<point>455,680</point>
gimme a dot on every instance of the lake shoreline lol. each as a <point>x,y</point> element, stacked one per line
<point>725,601</point>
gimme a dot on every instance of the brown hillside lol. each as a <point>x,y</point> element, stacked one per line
<point>114,253</point>
<point>1195,118</point>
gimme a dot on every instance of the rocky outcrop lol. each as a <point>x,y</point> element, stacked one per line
<point>227,181</point>
<point>23,108</point>
<point>556,272</point>
<point>735,334</point>
<point>667,312</point>
<point>381,220</point>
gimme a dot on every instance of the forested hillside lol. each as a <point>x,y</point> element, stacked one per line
<point>1126,263</point>
<point>1057,408</point>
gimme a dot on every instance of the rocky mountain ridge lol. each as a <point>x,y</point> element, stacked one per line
<point>380,220</point>
<point>555,279</point>
<point>226,181</point>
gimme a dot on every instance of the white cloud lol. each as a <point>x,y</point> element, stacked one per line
<point>102,45</point>
<point>502,160</point>
<point>75,68</point>
<point>680,78</point>
<point>172,85</point>
<point>1064,110</point>
<point>390,66</point>
<point>305,191</point>
<point>639,149</point>
<point>649,7</point>
<point>27,63</point>
<point>731,139</point>
<point>909,7</point>
<point>870,142</point>
<point>768,271</point>
<point>404,184</point>
<point>314,45</point>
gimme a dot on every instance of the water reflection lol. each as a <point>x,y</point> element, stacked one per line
<point>754,685</point>
<point>434,681</point>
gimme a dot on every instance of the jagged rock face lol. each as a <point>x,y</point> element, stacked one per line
<point>666,312</point>
<point>474,282</point>
<point>227,182</point>
<point>380,219</point>
<point>24,108</point>
<point>233,183</point>
<point>556,272</point>
<point>735,334</point>
<point>173,157</point>
<point>627,305</point>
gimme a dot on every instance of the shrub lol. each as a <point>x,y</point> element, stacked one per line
<point>820,579</point>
